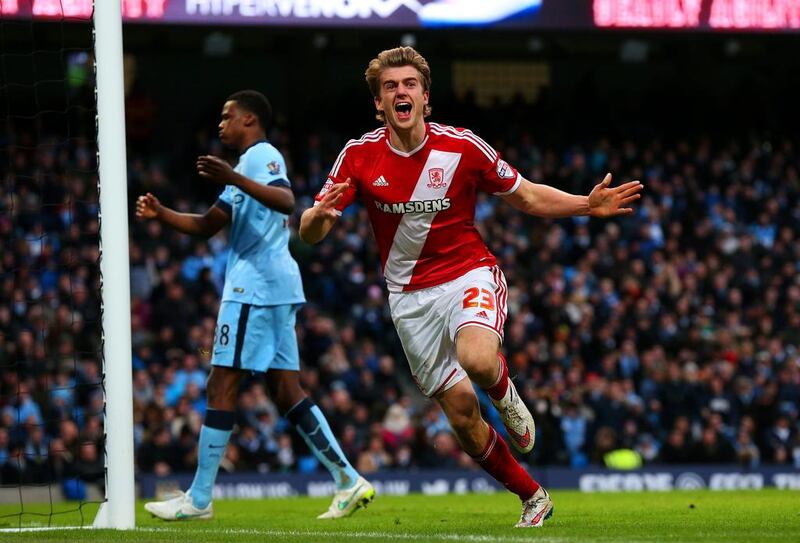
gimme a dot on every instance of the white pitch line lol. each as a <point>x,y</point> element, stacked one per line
<point>310,533</point>
<point>43,529</point>
<point>364,535</point>
<point>323,534</point>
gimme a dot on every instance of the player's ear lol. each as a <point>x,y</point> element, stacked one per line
<point>378,103</point>
<point>426,96</point>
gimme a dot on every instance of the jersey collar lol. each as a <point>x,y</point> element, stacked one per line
<point>253,145</point>
<point>412,151</point>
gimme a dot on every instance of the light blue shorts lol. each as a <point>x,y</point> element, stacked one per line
<point>256,337</point>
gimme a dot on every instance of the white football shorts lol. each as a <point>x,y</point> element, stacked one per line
<point>427,321</point>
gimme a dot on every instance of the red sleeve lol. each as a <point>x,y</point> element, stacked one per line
<point>341,171</point>
<point>495,175</point>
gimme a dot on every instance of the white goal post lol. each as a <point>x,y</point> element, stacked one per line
<point>118,511</point>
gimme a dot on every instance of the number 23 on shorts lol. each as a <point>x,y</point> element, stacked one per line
<point>475,297</point>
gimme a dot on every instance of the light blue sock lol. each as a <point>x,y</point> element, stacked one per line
<point>312,426</point>
<point>213,439</point>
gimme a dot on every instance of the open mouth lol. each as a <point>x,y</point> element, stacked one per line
<point>403,110</point>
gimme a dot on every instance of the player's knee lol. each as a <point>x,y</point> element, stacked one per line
<point>477,353</point>
<point>480,364</point>
<point>219,396</point>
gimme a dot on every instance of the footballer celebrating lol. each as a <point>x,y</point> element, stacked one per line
<point>256,325</point>
<point>419,183</point>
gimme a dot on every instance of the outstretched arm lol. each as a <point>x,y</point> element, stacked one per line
<point>317,221</point>
<point>549,202</point>
<point>206,225</point>
<point>274,197</point>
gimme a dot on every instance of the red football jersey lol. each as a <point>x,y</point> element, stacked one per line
<point>422,203</point>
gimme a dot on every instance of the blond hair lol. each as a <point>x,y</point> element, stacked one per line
<point>397,58</point>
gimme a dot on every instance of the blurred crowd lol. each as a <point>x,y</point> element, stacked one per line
<point>672,333</point>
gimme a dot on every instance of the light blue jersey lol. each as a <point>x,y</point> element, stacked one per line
<point>260,269</point>
<point>255,328</point>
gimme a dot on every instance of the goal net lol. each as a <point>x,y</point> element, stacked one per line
<point>65,410</point>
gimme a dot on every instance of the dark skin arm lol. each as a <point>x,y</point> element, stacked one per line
<point>206,225</point>
<point>217,170</point>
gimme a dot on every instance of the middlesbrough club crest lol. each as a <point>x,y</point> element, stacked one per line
<point>436,178</point>
<point>504,171</point>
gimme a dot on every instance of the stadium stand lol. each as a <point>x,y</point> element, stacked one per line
<point>673,333</point>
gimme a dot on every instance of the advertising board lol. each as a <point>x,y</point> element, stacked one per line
<point>698,15</point>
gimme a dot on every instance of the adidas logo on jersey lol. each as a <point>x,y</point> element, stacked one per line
<point>482,315</point>
<point>380,182</point>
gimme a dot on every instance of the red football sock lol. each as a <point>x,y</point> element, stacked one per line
<point>498,389</point>
<point>496,459</point>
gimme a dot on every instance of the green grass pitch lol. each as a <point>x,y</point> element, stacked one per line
<point>767,515</point>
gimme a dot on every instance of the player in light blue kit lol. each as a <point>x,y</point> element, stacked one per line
<point>263,290</point>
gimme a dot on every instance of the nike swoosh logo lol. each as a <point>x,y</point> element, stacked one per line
<point>343,504</point>
<point>522,440</point>
<point>180,515</point>
<point>539,515</point>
